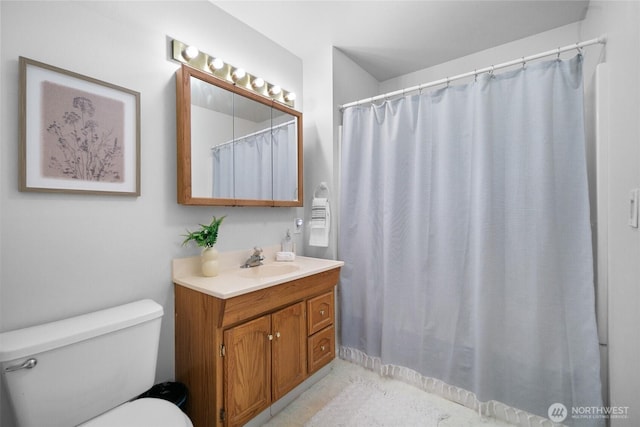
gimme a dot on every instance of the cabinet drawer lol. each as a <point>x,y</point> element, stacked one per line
<point>321,348</point>
<point>319,312</point>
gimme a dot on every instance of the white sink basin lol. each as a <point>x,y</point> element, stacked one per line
<point>268,270</point>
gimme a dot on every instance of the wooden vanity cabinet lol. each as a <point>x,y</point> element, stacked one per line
<point>239,355</point>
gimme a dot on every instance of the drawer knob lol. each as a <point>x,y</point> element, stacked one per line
<point>321,312</point>
<point>322,348</point>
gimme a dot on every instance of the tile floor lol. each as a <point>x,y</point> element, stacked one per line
<point>301,410</point>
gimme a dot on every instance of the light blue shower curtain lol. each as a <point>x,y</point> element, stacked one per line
<point>223,170</point>
<point>285,162</point>
<point>252,176</point>
<point>465,233</point>
<point>242,168</point>
<point>262,165</point>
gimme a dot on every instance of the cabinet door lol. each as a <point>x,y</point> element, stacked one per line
<point>247,370</point>
<point>289,348</point>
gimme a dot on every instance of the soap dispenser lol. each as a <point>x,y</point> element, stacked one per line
<point>287,243</point>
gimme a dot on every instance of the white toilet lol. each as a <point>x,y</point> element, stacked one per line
<point>85,370</point>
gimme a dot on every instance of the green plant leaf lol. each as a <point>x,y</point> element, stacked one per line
<point>206,236</point>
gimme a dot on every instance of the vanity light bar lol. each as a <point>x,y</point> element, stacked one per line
<point>215,66</point>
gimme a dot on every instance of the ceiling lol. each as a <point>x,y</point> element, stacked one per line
<point>393,38</point>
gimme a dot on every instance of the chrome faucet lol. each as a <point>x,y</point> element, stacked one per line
<point>255,259</point>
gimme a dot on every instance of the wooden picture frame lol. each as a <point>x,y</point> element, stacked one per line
<point>77,134</point>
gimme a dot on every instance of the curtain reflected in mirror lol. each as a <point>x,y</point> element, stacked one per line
<point>285,155</point>
<point>268,160</point>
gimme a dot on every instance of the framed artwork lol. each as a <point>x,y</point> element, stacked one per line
<point>77,134</point>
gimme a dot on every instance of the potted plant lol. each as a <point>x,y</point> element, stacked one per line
<point>206,238</point>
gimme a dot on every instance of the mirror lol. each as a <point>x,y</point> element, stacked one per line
<point>235,147</point>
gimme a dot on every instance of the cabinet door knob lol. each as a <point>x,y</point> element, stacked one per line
<point>270,337</point>
<point>277,334</point>
<point>322,348</point>
<point>321,312</point>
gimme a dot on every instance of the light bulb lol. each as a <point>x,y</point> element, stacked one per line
<point>257,83</point>
<point>275,89</point>
<point>238,74</point>
<point>216,64</point>
<point>190,52</point>
<point>291,96</point>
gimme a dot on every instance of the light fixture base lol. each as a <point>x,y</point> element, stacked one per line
<point>204,61</point>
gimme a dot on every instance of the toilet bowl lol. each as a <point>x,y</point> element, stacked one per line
<point>86,370</point>
<point>145,412</point>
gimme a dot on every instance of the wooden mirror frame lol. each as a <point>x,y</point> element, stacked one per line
<point>183,112</point>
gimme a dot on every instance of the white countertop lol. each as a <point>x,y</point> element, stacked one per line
<point>233,280</point>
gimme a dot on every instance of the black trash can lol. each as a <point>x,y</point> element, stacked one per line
<point>174,392</point>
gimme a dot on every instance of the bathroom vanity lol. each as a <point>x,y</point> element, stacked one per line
<point>247,337</point>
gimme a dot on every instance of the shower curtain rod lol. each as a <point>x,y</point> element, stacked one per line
<point>491,69</point>
<point>254,134</point>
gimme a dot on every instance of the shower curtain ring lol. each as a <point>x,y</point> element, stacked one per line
<point>558,53</point>
<point>475,75</point>
<point>447,81</point>
<point>579,49</point>
<point>524,63</point>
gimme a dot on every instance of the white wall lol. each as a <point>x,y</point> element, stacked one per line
<point>318,134</point>
<point>64,254</point>
<point>619,20</point>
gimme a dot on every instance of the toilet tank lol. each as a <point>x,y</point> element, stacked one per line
<point>85,365</point>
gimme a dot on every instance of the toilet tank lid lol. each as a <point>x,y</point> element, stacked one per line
<point>37,339</point>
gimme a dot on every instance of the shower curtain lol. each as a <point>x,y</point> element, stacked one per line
<point>258,166</point>
<point>285,162</point>
<point>223,169</point>
<point>465,233</point>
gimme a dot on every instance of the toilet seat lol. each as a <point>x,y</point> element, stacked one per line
<point>145,412</point>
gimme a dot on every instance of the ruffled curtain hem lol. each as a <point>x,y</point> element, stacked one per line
<point>492,408</point>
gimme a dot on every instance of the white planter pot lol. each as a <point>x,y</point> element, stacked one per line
<point>209,259</point>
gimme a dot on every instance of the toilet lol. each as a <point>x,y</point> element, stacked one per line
<point>87,370</point>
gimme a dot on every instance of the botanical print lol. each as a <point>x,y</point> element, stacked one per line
<point>82,135</point>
